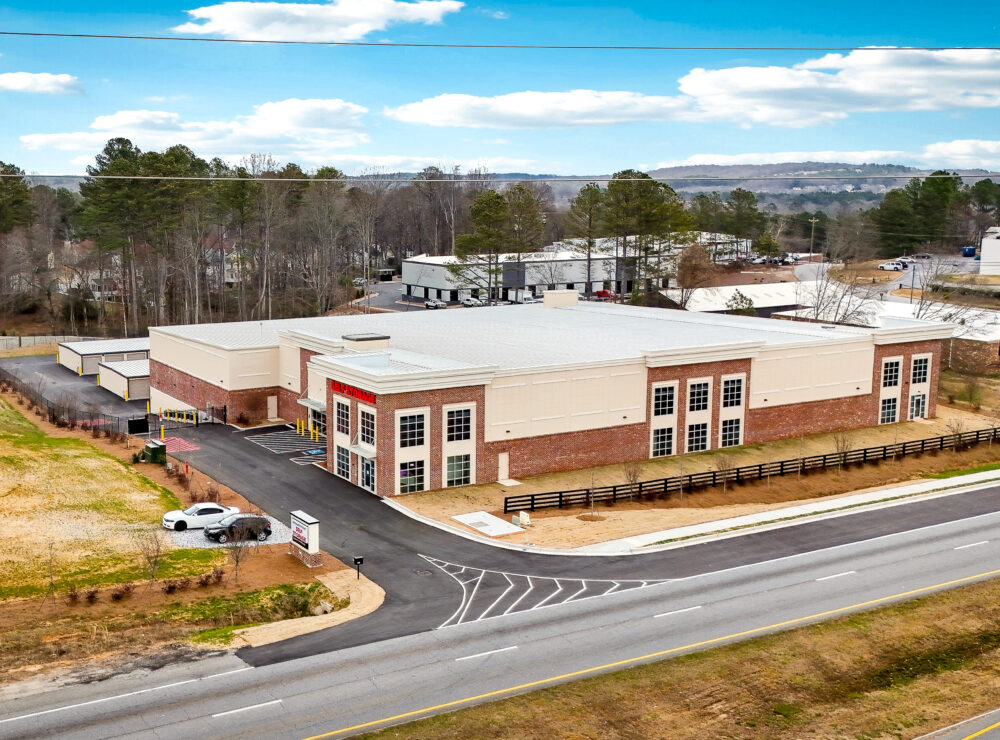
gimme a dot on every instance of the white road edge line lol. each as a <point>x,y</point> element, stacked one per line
<point>488,652</point>
<point>244,709</point>
<point>472,597</point>
<point>974,544</point>
<point>836,575</point>
<point>678,611</point>
<point>123,696</point>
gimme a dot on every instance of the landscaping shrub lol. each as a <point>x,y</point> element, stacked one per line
<point>122,591</point>
<point>73,595</point>
<point>91,595</point>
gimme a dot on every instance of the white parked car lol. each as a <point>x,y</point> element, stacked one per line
<point>435,303</point>
<point>471,301</point>
<point>894,266</point>
<point>759,261</point>
<point>906,261</point>
<point>197,515</point>
<point>360,282</point>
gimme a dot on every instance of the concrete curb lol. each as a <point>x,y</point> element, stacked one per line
<point>738,526</point>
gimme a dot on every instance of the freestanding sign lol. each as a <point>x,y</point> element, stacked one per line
<point>305,538</point>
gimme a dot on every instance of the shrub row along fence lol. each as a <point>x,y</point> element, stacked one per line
<point>666,487</point>
<point>66,413</point>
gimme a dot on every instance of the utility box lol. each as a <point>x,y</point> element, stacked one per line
<point>155,452</point>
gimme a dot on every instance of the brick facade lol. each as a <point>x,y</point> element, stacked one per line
<point>200,394</point>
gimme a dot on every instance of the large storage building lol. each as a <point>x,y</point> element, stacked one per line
<point>419,401</point>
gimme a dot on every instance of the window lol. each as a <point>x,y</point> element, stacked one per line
<point>920,367</point>
<point>698,397</point>
<point>367,428</point>
<point>663,442</point>
<point>697,437</point>
<point>459,470</point>
<point>731,432</point>
<point>343,462</point>
<point>411,477</point>
<point>888,413</point>
<point>318,421</point>
<point>890,374</point>
<point>732,393</point>
<point>918,406</point>
<point>459,425</point>
<point>663,401</point>
<point>343,418</point>
<point>411,430</point>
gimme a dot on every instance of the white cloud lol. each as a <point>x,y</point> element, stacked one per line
<point>814,92</point>
<point>353,163</point>
<point>532,109</point>
<point>307,131</point>
<point>335,20</point>
<point>963,153</point>
<point>499,15</point>
<point>40,82</point>
<point>835,85</point>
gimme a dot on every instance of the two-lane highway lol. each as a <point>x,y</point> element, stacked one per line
<point>359,688</point>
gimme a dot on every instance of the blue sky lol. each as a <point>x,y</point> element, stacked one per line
<point>541,111</point>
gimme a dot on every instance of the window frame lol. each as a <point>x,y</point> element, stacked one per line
<point>408,471</point>
<point>923,405</point>
<point>703,436</point>
<point>695,392</point>
<point>728,400</point>
<point>668,404</point>
<point>724,433</point>
<point>926,371</point>
<point>462,427</point>
<point>885,406</point>
<point>345,461</point>
<point>891,380</point>
<point>415,437</point>
<point>453,460</point>
<point>364,413</point>
<point>666,445</point>
<point>344,428</point>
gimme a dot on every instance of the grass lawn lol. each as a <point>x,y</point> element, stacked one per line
<point>895,672</point>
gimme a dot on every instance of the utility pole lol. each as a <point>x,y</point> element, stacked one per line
<point>812,234</point>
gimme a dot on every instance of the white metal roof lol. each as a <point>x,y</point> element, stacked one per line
<point>530,335</point>
<point>128,368</point>
<point>560,255</point>
<point>763,295</point>
<point>107,346</point>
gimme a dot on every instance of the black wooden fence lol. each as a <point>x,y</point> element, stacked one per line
<point>665,487</point>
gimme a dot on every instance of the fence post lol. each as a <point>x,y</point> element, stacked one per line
<point>560,499</point>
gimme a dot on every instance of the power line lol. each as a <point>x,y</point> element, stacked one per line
<point>575,47</point>
<point>488,180</point>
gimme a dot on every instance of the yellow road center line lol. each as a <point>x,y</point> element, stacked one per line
<point>984,730</point>
<point>661,653</point>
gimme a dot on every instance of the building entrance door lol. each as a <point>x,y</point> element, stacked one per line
<point>503,466</point>
<point>272,407</point>
<point>368,474</point>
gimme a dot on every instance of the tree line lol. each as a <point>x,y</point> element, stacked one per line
<point>263,239</point>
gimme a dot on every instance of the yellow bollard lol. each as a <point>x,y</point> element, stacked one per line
<point>147,407</point>
<point>161,432</point>
<point>126,390</point>
<point>79,371</point>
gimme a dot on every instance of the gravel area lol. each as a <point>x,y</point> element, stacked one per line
<point>280,533</point>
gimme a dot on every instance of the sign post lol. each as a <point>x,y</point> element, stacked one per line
<point>305,539</point>
<point>358,561</point>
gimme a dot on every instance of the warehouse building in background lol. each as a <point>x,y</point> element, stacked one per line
<point>411,402</point>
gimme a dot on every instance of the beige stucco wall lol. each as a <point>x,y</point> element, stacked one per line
<point>288,366</point>
<point>253,368</point>
<point>158,401</point>
<point>232,370</point>
<point>817,372</point>
<point>111,381</point>
<point>562,401</point>
<point>69,359</point>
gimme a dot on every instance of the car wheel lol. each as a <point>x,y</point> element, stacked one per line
<point>222,538</point>
<point>261,536</point>
<point>180,526</point>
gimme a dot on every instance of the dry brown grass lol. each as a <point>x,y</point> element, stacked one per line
<point>896,672</point>
<point>39,349</point>
<point>866,272</point>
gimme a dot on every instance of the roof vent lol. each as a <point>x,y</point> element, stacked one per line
<point>827,326</point>
<point>365,342</point>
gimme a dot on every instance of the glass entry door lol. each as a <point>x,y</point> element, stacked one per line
<point>368,474</point>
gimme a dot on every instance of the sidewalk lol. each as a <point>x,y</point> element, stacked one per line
<point>895,495</point>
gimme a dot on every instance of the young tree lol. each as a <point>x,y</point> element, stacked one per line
<point>694,270</point>
<point>525,223</point>
<point>584,220</point>
<point>478,254</point>
<point>740,305</point>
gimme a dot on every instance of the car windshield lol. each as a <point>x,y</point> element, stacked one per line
<point>228,520</point>
<point>192,510</point>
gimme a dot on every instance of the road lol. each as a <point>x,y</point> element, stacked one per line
<point>394,680</point>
